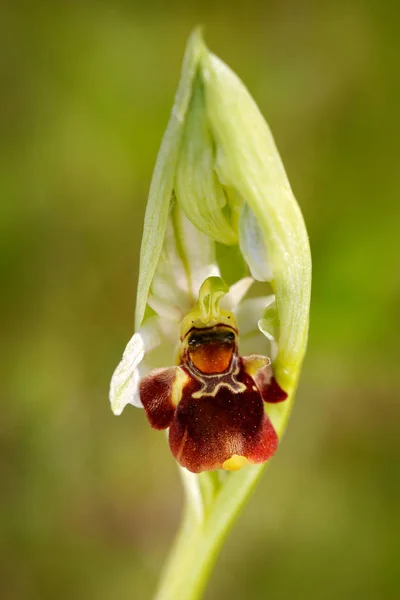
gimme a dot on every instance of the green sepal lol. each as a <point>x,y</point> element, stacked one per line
<point>162,183</point>
<point>197,187</point>
<point>248,161</point>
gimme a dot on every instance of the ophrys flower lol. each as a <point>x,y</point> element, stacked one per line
<point>220,209</point>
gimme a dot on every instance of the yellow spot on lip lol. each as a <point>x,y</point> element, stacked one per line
<point>181,379</point>
<point>235,462</point>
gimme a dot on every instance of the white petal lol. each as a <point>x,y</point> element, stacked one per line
<point>263,327</point>
<point>165,309</point>
<point>236,293</point>
<point>161,339</point>
<point>124,387</point>
<point>252,245</point>
<point>187,259</point>
<point>170,281</point>
<point>251,336</point>
<point>250,311</point>
<point>254,343</point>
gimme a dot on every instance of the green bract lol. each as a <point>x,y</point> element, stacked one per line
<point>219,201</point>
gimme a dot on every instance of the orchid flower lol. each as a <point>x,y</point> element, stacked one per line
<point>216,365</point>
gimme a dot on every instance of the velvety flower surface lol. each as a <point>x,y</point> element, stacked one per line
<point>213,402</point>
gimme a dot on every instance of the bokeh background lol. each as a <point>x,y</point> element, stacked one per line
<point>90,502</point>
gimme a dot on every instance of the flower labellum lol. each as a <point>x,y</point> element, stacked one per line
<point>220,209</point>
<point>213,401</point>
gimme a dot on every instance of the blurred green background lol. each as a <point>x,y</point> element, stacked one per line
<point>90,502</point>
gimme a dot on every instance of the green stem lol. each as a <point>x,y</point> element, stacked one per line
<point>198,542</point>
<point>212,506</point>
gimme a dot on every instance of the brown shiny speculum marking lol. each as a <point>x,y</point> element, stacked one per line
<point>213,402</point>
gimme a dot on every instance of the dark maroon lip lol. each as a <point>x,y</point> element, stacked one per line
<point>215,416</point>
<point>205,329</point>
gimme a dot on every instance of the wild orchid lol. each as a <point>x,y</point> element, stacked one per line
<point>222,306</point>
